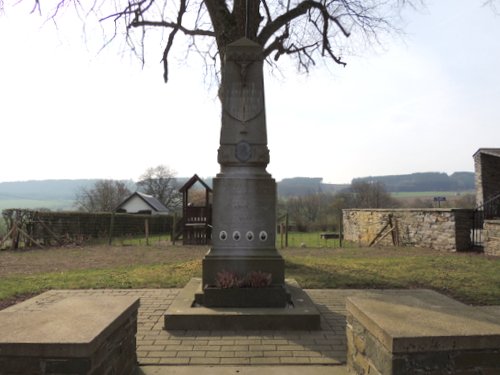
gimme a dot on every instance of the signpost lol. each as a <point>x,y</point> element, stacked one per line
<point>439,200</point>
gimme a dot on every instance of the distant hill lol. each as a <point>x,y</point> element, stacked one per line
<point>300,186</point>
<point>51,194</point>
<point>43,190</point>
<point>59,194</point>
<point>431,181</point>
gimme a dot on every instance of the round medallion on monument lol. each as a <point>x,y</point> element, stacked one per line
<point>236,235</point>
<point>223,235</point>
<point>243,151</point>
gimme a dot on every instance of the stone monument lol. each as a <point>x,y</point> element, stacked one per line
<point>244,222</point>
<point>244,198</point>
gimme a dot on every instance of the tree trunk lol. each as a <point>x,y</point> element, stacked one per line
<point>231,26</point>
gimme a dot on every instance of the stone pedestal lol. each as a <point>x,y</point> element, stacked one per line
<point>183,314</point>
<point>244,229</point>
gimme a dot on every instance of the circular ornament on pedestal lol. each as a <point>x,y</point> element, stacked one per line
<point>243,151</point>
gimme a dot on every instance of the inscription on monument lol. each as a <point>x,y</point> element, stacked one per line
<point>243,103</point>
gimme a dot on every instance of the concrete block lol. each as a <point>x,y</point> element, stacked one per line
<point>421,332</point>
<point>76,335</point>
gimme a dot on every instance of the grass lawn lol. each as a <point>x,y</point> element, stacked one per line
<point>309,239</point>
<point>470,278</point>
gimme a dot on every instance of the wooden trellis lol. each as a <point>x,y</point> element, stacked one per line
<point>391,227</point>
<point>21,224</point>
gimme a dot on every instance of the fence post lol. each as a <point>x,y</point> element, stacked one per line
<point>146,230</point>
<point>282,229</point>
<point>172,236</point>
<point>341,228</point>
<point>111,228</point>
<point>15,237</point>
<point>286,230</point>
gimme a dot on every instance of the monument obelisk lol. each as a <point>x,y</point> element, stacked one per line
<point>243,219</point>
<point>244,193</point>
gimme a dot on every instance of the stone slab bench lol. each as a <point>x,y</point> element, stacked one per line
<point>420,332</point>
<point>77,335</point>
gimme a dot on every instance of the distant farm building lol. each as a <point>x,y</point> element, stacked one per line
<point>140,203</point>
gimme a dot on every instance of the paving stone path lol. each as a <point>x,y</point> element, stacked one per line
<point>155,346</point>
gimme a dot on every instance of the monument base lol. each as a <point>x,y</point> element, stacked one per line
<point>272,296</point>
<point>242,265</point>
<point>185,314</point>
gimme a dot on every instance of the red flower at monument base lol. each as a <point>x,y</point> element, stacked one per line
<point>254,279</point>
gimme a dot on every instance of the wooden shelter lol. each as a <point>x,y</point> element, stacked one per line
<point>196,213</point>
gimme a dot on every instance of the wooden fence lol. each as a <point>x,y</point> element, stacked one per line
<point>39,228</point>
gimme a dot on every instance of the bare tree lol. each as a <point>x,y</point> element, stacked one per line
<point>306,30</point>
<point>313,211</point>
<point>372,195</point>
<point>103,196</point>
<point>161,183</point>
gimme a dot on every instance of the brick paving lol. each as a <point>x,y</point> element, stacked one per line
<point>155,346</point>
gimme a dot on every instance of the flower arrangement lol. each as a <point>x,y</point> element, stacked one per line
<point>253,279</point>
<point>227,279</point>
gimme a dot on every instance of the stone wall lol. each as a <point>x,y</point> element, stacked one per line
<point>487,174</point>
<point>492,237</point>
<point>441,229</point>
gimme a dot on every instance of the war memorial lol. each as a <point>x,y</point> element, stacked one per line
<point>243,311</point>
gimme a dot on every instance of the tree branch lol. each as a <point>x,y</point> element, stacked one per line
<point>170,42</point>
<point>294,13</point>
<point>321,23</point>
<point>268,13</point>
<point>173,25</point>
<point>306,29</point>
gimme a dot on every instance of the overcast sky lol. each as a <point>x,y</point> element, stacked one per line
<point>426,102</point>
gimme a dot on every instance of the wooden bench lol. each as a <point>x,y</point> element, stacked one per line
<point>77,335</point>
<point>328,236</point>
